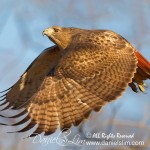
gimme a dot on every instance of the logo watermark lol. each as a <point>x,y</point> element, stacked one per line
<point>91,139</point>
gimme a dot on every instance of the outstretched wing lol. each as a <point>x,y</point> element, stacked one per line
<point>87,76</point>
<point>50,98</point>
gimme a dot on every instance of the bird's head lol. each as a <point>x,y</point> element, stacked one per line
<point>60,36</point>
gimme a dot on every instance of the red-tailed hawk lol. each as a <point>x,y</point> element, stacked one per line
<point>83,71</point>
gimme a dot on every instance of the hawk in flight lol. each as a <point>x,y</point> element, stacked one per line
<point>83,71</point>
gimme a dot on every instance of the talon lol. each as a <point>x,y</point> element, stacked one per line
<point>141,87</point>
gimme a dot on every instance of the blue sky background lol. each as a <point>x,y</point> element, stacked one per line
<point>21,40</point>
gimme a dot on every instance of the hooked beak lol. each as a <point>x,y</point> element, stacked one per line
<point>48,32</point>
<point>43,33</point>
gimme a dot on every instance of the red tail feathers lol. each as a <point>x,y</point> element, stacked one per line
<point>143,63</point>
<point>143,73</point>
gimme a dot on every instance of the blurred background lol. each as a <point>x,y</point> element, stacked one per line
<point>21,41</point>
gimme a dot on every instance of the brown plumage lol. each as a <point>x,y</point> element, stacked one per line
<point>82,72</point>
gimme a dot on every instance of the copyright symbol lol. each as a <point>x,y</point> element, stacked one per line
<point>88,135</point>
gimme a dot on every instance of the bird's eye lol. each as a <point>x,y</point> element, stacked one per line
<point>56,29</point>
